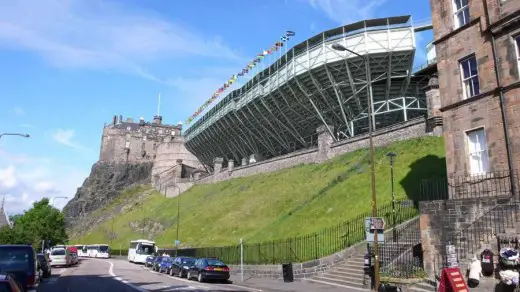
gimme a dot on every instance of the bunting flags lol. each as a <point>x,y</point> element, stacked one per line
<point>242,73</point>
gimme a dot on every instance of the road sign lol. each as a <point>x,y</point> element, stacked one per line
<point>372,224</point>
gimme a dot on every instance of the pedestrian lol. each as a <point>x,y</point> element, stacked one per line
<point>475,272</point>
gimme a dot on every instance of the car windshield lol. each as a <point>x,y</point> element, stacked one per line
<point>212,262</point>
<point>15,258</point>
<point>103,248</point>
<point>188,261</point>
<point>58,252</point>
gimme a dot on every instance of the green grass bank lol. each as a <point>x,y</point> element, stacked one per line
<point>291,202</point>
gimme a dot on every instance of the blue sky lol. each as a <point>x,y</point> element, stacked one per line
<point>67,66</point>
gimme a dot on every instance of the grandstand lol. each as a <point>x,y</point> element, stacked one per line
<point>280,108</point>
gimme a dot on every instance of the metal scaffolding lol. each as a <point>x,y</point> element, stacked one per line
<point>279,109</point>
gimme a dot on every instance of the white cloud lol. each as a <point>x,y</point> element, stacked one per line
<point>101,35</point>
<point>7,177</point>
<point>66,137</point>
<point>22,182</point>
<point>347,11</point>
<point>18,111</point>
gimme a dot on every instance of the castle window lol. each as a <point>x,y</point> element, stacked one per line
<point>469,72</point>
<point>477,152</point>
<point>461,8</point>
<point>517,50</point>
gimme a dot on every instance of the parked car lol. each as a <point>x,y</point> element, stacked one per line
<point>21,262</point>
<point>165,264</point>
<point>157,262</point>
<point>45,266</point>
<point>74,260</point>
<point>149,261</point>
<point>8,283</point>
<point>208,269</point>
<point>60,257</point>
<point>181,266</point>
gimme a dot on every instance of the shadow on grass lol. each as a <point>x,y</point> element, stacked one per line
<point>426,179</point>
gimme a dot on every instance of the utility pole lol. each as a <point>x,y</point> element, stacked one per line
<point>339,47</point>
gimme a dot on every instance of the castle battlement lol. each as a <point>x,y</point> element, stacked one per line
<point>135,141</point>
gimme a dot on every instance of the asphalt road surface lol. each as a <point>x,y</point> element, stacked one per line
<point>116,275</point>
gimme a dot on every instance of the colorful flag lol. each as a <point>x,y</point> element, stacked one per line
<point>284,39</point>
<point>290,33</point>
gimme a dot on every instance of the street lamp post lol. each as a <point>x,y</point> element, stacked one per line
<point>339,47</point>
<point>178,215</point>
<point>15,134</point>
<point>392,155</point>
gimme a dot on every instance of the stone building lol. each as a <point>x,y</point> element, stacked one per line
<point>163,145</point>
<point>477,50</point>
<point>128,141</point>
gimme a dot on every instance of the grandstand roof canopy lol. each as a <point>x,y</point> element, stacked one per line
<point>279,109</point>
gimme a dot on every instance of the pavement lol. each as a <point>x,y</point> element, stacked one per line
<point>118,275</point>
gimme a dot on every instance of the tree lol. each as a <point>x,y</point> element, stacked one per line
<point>41,222</point>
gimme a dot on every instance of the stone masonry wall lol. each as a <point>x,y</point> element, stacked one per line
<point>411,129</point>
<point>461,113</point>
<point>441,220</point>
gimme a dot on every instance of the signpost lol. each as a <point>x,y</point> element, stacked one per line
<point>372,224</point>
<point>176,243</point>
<point>451,256</point>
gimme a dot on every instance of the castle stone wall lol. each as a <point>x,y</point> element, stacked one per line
<point>130,142</point>
<point>326,150</point>
<point>168,152</point>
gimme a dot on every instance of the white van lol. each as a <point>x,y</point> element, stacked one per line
<point>60,257</point>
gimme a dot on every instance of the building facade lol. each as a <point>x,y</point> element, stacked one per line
<point>477,45</point>
<point>129,142</point>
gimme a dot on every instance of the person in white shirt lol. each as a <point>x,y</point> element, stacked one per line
<point>475,272</point>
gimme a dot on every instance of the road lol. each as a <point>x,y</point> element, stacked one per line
<point>115,275</point>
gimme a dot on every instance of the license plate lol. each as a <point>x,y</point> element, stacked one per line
<point>218,269</point>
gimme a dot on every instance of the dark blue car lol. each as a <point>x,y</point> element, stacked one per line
<point>165,265</point>
<point>156,265</point>
<point>149,261</point>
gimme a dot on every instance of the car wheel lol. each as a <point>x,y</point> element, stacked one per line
<point>200,278</point>
<point>188,276</point>
<point>181,274</point>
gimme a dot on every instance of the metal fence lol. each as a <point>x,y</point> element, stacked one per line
<point>401,253</point>
<point>493,184</point>
<point>307,247</point>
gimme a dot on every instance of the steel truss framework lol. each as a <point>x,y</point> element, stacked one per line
<point>278,111</point>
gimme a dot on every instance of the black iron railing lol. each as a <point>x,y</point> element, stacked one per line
<point>493,184</point>
<point>307,247</point>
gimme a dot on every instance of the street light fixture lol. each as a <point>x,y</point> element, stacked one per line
<point>178,215</point>
<point>392,155</point>
<point>339,47</point>
<point>15,134</point>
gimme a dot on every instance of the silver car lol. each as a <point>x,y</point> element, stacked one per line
<point>60,257</point>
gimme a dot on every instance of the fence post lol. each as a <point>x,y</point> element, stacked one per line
<point>241,260</point>
<point>316,246</point>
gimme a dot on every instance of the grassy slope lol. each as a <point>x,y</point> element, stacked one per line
<point>290,202</point>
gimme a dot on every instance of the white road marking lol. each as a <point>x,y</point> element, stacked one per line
<point>244,287</point>
<point>111,272</point>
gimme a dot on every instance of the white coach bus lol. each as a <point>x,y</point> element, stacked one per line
<point>140,249</point>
